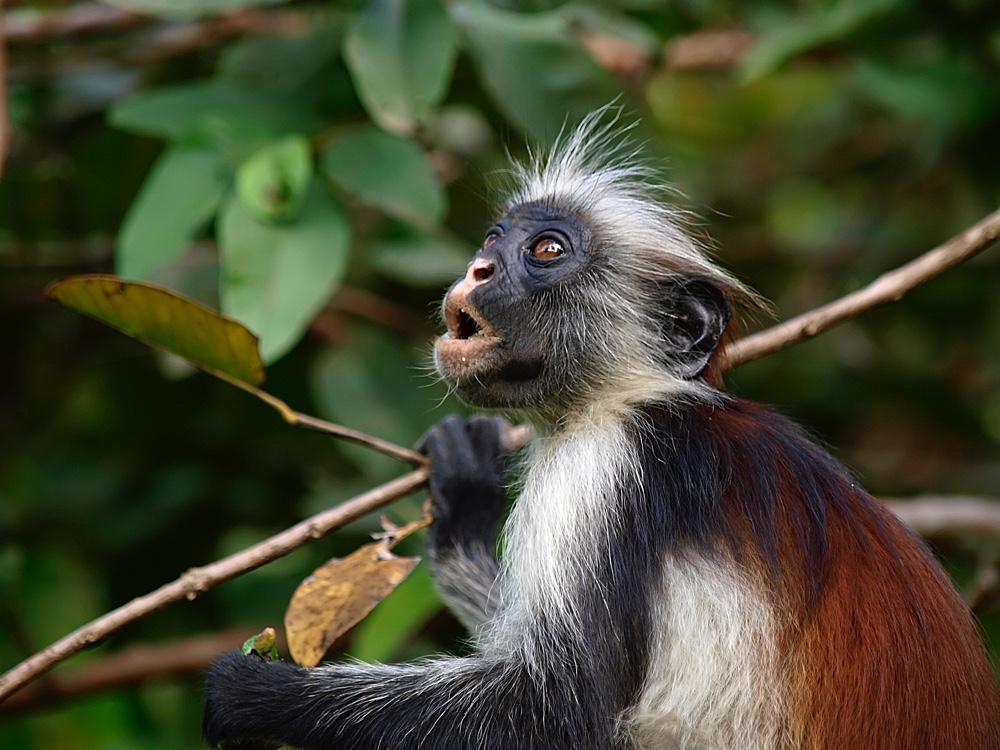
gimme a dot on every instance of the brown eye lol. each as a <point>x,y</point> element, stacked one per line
<point>547,249</point>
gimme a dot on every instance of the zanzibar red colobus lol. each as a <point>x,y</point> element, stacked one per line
<point>682,569</point>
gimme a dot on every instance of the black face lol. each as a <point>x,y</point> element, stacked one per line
<point>505,318</point>
<point>545,313</point>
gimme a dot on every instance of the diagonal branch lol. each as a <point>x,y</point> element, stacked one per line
<point>198,580</point>
<point>889,287</point>
<point>129,667</point>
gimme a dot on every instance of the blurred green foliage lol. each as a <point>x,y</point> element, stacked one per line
<point>324,175</point>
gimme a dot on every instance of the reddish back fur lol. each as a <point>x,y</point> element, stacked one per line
<point>889,657</point>
<point>880,651</point>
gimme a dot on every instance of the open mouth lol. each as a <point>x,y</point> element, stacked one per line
<point>464,325</point>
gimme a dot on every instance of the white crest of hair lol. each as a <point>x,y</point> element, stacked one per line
<point>598,171</point>
<point>713,681</point>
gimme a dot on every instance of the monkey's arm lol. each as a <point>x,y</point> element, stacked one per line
<point>446,704</point>
<point>469,465</point>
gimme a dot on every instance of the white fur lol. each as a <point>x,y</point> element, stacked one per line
<point>561,508</point>
<point>713,681</point>
<point>467,587</point>
<point>596,170</point>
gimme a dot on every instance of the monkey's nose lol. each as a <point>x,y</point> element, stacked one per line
<point>480,271</point>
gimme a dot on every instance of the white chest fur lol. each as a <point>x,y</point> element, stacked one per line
<point>563,511</point>
<point>712,682</point>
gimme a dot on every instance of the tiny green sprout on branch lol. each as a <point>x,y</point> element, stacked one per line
<point>262,645</point>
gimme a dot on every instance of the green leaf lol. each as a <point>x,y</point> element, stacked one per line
<point>187,8</point>
<point>401,55</point>
<point>421,261</point>
<point>276,277</point>
<point>273,181</point>
<point>308,68</point>
<point>794,36</point>
<point>389,172</point>
<point>180,195</point>
<point>167,321</point>
<point>213,108</point>
<point>533,66</point>
<point>262,645</point>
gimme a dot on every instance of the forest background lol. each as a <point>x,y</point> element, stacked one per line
<point>322,170</point>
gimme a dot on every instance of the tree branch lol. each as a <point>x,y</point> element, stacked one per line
<point>34,26</point>
<point>707,49</point>
<point>128,667</point>
<point>198,580</point>
<point>952,517</point>
<point>889,287</point>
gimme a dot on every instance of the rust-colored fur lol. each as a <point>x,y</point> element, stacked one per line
<point>889,657</point>
<point>878,649</point>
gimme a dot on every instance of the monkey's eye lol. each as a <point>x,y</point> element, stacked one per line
<point>547,249</point>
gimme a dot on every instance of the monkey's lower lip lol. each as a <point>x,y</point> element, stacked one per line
<point>464,357</point>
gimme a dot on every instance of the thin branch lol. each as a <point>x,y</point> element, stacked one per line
<point>708,49</point>
<point>379,310</point>
<point>384,446</point>
<point>126,668</point>
<point>952,517</point>
<point>33,25</point>
<point>320,425</point>
<point>198,580</point>
<point>889,287</point>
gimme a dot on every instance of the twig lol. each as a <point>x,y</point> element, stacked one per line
<point>889,287</point>
<point>954,517</point>
<point>378,310</point>
<point>128,667</point>
<point>314,423</point>
<point>707,49</point>
<point>199,580</point>
<point>34,26</point>
<point>384,446</point>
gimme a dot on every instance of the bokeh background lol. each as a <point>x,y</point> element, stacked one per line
<point>322,169</point>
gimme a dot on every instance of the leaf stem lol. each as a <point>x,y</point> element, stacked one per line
<point>314,423</point>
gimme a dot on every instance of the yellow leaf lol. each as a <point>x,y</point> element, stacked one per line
<point>337,596</point>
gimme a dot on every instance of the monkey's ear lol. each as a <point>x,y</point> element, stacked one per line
<point>697,316</point>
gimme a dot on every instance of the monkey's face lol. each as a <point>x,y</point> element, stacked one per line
<point>509,342</point>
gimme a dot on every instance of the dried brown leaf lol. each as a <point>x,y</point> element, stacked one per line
<point>338,595</point>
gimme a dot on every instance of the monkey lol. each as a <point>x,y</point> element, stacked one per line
<point>681,570</point>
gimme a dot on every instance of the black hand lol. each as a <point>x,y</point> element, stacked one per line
<point>468,480</point>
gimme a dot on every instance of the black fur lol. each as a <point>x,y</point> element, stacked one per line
<point>468,491</point>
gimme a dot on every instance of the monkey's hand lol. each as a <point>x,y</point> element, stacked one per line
<point>468,483</point>
<point>241,705</point>
<point>468,479</point>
